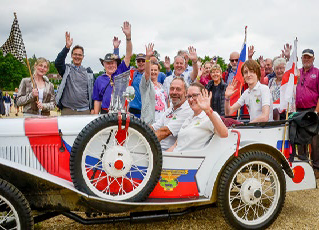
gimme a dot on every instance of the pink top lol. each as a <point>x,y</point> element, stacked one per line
<point>205,79</point>
<point>307,93</point>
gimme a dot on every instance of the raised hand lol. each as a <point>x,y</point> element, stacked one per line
<point>199,64</point>
<point>251,51</point>
<point>204,99</point>
<point>149,50</point>
<point>200,72</point>
<point>192,54</point>
<point>261,62</point>
<point>68,40</point>
<point>127,29</point>
<point>116,42</point>
<point>286,51</point>
<point>231,88</point>
<point>167,63</point>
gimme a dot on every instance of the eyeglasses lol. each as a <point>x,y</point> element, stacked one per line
<point>194,96</point>
<point>140,60</point>
<point>233,60</point>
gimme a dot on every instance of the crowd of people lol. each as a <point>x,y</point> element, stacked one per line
<point>193,97</point>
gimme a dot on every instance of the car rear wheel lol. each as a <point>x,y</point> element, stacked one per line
<point>252,191</point>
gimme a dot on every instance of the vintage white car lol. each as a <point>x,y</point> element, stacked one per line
<point>113,163</point>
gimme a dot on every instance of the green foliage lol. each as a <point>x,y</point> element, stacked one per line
<point>98,74</point>
<point>11,72</point>
<point>133,61</point>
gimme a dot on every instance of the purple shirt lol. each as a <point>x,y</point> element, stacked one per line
<point>307,92</point>
<point>102,90</point>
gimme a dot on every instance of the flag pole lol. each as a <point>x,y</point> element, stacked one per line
<point>284,138</point>
<point>28,64</point>
<point>286,124</point>
<point>241,86</point>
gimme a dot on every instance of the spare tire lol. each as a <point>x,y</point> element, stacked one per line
<point>116,165</point>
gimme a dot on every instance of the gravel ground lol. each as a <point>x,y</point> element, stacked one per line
<point>300,212</point>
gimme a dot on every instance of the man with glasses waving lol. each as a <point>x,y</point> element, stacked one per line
<point>74,96</point>
<point>230,73</point>
<point>168,126</point>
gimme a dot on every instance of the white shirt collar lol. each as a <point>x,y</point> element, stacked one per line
<point>255,87</point>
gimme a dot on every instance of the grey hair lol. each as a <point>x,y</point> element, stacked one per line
<point>183,80</point>
<point>180,57</point>
<point>181,52</point>
<point>279,61</point>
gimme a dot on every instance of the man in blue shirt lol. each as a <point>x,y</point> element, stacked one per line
<point>113,66</point>
<point>136,104</point>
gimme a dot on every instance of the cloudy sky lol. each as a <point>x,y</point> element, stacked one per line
<point>212,27</point>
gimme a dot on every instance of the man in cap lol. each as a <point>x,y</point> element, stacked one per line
<point>307,99</point>
<point>75,91</point>
<point>135,106</point>
<point>113,66</point>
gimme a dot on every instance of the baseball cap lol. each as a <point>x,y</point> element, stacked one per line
<point>308,52</point>
<point>140,56</point>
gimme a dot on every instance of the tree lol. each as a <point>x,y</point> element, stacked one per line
<point>11,72</point>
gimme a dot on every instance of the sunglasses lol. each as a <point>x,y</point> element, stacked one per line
<point>140,60</point>
<point>233,60</point>
<point>303,81</point>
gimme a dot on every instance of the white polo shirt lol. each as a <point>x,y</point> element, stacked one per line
<point>255,99</point>
<point>195,132</point>
<point>173,119</point>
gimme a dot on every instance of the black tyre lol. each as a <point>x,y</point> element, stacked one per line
<point>104,165</point>
<point>15,212</point>
<point>252,191</point>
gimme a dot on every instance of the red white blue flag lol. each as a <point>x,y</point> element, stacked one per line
<point>289,80</point>
<point>238,76</point>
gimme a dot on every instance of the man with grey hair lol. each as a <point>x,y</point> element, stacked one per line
<point>179,69</point>
<point>168,126</point>
<point>184,53</point>
<point>233,62</point>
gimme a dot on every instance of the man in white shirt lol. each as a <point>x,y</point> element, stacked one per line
<point>257,97</point>
<point>179,69</point>
<point>168,126</point>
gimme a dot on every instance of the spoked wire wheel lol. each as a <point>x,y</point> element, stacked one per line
<point>107,164</point>
<point>252,191</point>
<point>15,212</point>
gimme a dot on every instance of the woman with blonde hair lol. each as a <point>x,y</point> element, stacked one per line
<point>154,98</point>
<point>217,86</point>
<point>38,100</point>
